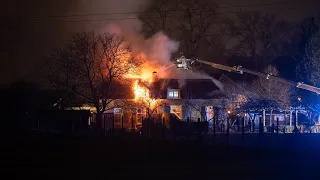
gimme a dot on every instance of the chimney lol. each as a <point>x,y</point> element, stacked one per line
<point>154,76</point>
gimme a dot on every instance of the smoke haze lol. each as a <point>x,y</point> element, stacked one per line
<point>30,41</point>
<point>157,50</point>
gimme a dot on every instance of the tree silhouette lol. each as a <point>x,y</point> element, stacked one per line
<point>259,36</point>
<point>197,22</point>
<point>90,67</point>
<point>160,16</point>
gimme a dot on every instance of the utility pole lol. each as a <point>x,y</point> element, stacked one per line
<point>290,118</point>
<point>296,124</point>
<point>264,117</point>
<point>270,117</point>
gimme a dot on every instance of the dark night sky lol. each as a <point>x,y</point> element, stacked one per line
<point>26,42</point>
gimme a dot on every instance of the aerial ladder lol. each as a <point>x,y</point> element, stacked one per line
<point>187,64</point>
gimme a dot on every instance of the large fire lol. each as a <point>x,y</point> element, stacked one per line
<point>142,95</point>
<point>146,70</point>
<point>141,92</point>
<point>146,74</point>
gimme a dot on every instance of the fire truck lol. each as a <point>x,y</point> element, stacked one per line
<point>186,64</point>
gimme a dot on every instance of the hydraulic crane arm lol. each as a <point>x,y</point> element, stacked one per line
<point>241,70</point>
<point>184,63</point>
<point>308,87</point>
<point>219,66</point>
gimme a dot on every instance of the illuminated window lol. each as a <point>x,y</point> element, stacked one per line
<point>173,93</point>
<point>176,110</point>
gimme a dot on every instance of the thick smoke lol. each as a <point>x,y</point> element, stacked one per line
<point>158,49</point>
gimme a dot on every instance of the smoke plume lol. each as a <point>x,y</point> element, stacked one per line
<point>158,49</point>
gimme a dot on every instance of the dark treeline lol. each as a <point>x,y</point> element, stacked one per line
<point>255,40</point>
<point>252,39</point>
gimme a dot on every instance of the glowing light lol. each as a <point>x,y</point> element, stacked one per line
<point>229,112</point>
<point>140,92</point>
<point>145,73</point>
<point>142,95</point>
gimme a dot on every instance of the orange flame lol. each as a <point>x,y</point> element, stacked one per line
<point>142,94</point>
<point>145,73</point>
<point>146,70</point>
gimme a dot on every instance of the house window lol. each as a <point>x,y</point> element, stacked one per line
<point>176,110</point>
<point>173,93</point>
<point>117,111</point>
<point>139,111</point>
<point>210,113</point>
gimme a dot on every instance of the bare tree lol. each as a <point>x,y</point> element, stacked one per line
<point>308,30</point>
<point>160,17</point>
<point>238,93</point>
<point>307,69</point>
<point>312,59</point>
<point>197,31</point>
<point>279,92</point>
<point>60,74</point>
<point>259,36</point>
<point>197,23</point>
<point>91,65</point>
<point>195,106</point>
<point>152,106</point>
<point>237,101</point>
<point>145,101</point>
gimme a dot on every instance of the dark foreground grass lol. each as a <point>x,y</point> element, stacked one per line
<point>48,156</point>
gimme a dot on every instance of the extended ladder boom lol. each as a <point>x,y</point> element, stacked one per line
<point>308,87</point>
<point>184,63</point>
<point>241,70</point>
<point>219,66</point>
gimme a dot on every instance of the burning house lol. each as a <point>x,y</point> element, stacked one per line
<point>165,98</point>
<point>197,98</point>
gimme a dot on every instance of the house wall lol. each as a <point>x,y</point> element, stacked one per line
<point>192,109</point>
<point>193,113</point>
<point>111,120</point>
